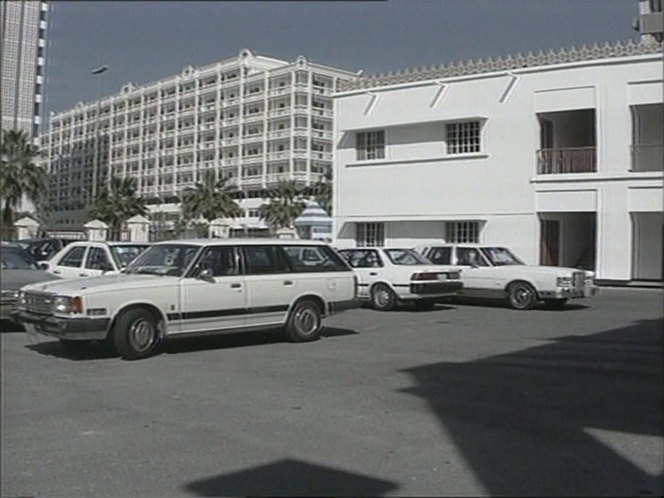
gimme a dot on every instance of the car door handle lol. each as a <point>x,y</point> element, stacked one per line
<point>57,272</point>
<point>373,273</point>
<point>288,282</point>
<point>82,274</point>
<point>236,286</point>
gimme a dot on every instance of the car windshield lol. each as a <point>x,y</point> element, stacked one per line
<point>164,259</point>
<point>124,255</point>
<point>501,256</point>
<point>406,257</point>
<point>14,258</point>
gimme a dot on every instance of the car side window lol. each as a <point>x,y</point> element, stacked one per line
<point>264,260</point>
<point>363,259</point>
<point>441,255</point>
<point>73,258</point>
<point>221,260</point>
<point>313,259</point>
<point>470,256</point>
<point>97,259</point>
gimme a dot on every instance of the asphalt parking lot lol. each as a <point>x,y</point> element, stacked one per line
<point>462,400</point>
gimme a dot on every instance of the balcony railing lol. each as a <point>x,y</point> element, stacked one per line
<point>647,157</point>
<point>570,160</point>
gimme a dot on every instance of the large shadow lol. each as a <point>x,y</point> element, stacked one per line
<point>564,419</point>
<point>177,345</point>
<point>291,478</point>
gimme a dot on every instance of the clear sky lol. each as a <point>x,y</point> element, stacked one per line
<point>146,41</point>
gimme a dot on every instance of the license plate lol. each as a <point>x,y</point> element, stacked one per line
<point>442,276</point>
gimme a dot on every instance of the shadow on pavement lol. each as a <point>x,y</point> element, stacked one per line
<point>497,303</point>
<point>97,351</point>
<point>9,327</point>
<point>573,417</point>
<point>291,478</point>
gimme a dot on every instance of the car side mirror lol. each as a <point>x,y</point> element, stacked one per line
<point>43,265</point>
<point>206,275</point>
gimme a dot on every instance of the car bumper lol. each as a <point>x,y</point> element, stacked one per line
<point>565,293</point>
<point>63,328</point>
<point>428,290</point>
<point>339,306</point>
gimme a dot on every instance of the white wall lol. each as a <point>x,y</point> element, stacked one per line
<point>418,183</point>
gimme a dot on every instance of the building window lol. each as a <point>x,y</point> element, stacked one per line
<point>463,138</point>
<point>371,145</point>
<point>460,232</point>
<point>370,234</point>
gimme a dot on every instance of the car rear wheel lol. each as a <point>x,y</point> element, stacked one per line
<point>136,334</point>
<point>521,296</point>
<point>304,322</point>
<point>383,298</point>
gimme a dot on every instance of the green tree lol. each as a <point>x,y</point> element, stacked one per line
<point>117,203</point>
<point>19,175</point>
<point>285,204</point>
<point>210,199</point>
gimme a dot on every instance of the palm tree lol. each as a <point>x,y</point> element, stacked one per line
<point>286,203</point>
<point>19,176</point>
<point>210,199</point>
<point>117,203</point>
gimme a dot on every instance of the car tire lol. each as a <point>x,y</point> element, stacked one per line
<point>75,344</point>
<point>555,304</point>
<point>521,296</point>
<point>383,298</point>
<point>424,305</point>
<point>304,321</point>
<point>136,334</point>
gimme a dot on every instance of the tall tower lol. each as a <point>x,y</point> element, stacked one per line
<point>22,59</point>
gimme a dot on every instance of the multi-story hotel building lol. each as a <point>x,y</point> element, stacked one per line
<point>253,119</point>
<point>22,59</point>
<point>557,155</point>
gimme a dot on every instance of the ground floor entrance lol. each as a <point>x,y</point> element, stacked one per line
<point>568,239</point>
<point>647,250</point>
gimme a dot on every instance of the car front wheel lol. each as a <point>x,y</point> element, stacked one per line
<point>136,334</point>
<point>521,296</point>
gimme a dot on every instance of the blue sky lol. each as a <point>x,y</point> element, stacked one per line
<point>145,41</point>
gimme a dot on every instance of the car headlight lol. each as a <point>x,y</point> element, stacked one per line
<point>564,282</point>
<point>9,295</point>
<point>67,304</point>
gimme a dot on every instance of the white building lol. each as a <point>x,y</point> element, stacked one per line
<point>253,119</point>
<point>558,155</point>
<point>22,54</point>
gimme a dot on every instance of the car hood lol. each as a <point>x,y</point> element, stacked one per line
<point>101,283</point>
<point>15,279</point>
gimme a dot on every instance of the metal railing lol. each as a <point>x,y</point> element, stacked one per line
<point>647,157</point>
<point>569,160</point>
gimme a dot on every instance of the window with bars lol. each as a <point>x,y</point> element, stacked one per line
<point>370,234</point>
<point>460,232</point>
<point>464,137</point>
<point>370,145</point>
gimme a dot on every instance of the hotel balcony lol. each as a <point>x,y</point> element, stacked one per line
<point>276,134</point>
<point>570,160</point>
<point>275,92</point>
<point>251,180</point>
<point>253,159</point>
<point>274,113</point>
<point>253,118</point>
<point>254,97</point>
<point>647,157</point>
<point>256,137</point>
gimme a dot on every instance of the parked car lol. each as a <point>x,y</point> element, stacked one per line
<point>45,248</point>
<point>195,287</point>
<point>496,272</point>
<point>17,268</point>
<point>390,275</point>
<point>90,259</point>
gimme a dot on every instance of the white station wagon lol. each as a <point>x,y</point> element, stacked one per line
<point>389,275</point>
<point>90,258</point>
<point>495,272</point>
<point>195,287</point>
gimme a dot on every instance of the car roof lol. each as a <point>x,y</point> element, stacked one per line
<point>240,241</point>
<point>108,243</point>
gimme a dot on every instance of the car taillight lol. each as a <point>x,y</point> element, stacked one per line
<point>424,276</point>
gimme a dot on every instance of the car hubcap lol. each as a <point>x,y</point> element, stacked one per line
<point>306,321</point>
<point>141,335</point>
<point>382,297</point>
<point>522,296</point>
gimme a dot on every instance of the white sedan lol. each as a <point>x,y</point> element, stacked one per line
<point>495,272</point>
<point>91,259</point>
<point>389,275</point>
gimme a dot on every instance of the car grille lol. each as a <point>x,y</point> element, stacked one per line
<point>39,303</point>
<point>579,280</point>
